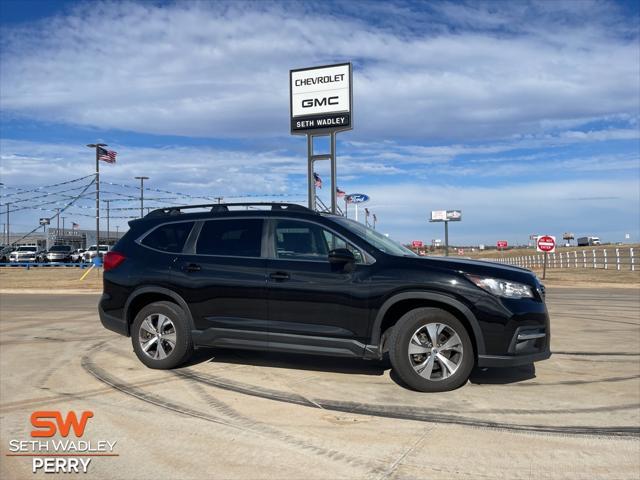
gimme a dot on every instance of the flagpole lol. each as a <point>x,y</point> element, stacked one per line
<point>97,147</point>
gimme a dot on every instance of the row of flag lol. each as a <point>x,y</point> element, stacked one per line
<point>317,181</point>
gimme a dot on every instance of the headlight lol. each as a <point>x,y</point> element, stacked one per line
<point>502,288</point>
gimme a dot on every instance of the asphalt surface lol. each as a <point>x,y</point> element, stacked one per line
<point>266,415</point>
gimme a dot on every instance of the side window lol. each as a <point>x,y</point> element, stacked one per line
<point>234,238</point>
<point>307,241</point>
<point>168,238</point>
<point>336,242</point>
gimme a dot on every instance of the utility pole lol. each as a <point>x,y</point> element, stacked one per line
<point>219,199</point>
<point>57,222</point>
<point>142,179</point>
<point>63,225</point>
<point>97,146</point>
<point>108,230</point>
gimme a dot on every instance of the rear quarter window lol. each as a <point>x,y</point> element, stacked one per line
<point>169,238</point>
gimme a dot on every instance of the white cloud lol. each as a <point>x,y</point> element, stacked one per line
<point>221,70</point>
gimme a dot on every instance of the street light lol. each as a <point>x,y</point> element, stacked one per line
<point>142,179</point>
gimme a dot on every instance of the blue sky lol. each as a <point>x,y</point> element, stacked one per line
<point>524,115</point>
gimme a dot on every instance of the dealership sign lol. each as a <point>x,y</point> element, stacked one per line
<point>320,99</point>
<point>417,244</point>
<point>357,198</point>
<point>446,215</point>
<point>502,244</point>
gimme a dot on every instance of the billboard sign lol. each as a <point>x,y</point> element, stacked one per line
<point>45,221</point>
<point>446,215</point>
<point>357,198</point>
<point>417,244</point>
<point>320,99</point>
<point>502,244</point>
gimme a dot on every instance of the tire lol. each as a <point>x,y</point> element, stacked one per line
<point>176,344</point>
<point>442,369</point>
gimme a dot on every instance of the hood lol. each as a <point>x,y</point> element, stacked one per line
<point>479,267</point>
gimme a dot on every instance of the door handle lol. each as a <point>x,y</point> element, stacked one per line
<point>279,276</point>
<point>192,267</point>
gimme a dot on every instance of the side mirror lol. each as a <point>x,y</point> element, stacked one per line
<point>341,256</point>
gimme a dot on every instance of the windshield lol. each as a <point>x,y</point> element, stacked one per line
<point>60,248</point>
<point>381,242</point>
<point>27,249</point>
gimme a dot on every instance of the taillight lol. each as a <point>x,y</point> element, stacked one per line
<point>112,259</point>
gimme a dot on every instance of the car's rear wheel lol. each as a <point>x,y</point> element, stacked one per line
<point>161,336</point>
<point>431,351</point>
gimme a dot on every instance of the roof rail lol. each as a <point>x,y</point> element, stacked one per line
<point>224,207</point>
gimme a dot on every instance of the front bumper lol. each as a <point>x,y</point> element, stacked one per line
<point>511,360</point>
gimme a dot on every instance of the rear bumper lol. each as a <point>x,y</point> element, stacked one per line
<point>511,360</point>
<point>110,322</point>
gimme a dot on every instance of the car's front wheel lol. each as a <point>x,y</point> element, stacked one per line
<point>161,336</point>
<point>431,351</point>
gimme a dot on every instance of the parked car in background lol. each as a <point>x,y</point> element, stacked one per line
<point>5,251</point>
<point>25,253</point>
<point>78,255</point>
<point>57,253</point>
<point>588,241</point>
<point>91,252</point>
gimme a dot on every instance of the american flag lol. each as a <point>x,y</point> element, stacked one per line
<point>108,156</point>
<point>317,181</point>
<point>340,193</point>
<point>75,225</point>
<point>366,212</point>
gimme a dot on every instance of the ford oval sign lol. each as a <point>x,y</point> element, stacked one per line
<point>357,198</point>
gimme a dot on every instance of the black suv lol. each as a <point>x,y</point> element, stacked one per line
<point>285,278</point>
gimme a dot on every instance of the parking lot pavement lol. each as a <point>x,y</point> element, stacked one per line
<point>267,415</point>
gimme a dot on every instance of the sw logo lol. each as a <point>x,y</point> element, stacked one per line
<point>48,423</point>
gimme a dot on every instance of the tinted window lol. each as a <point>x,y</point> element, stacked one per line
<point>168,238</point>
<point>234,238</point>
<point>307,241</point>
<point>60,248</point>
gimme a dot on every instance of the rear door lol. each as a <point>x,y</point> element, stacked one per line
<point>221,275</point>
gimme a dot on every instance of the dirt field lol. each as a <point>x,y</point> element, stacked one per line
<point>59,278</point>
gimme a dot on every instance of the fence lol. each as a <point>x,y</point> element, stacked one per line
<point>30,265</point>
<point>607,259</point>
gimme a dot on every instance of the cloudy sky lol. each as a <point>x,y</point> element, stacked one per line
<point>524,115</point>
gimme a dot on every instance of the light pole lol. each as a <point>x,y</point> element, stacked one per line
<point>97,146</point>
<point>108,229</point>
<point>8,228</point>
<point>142,179</point>
<point>63,225</point>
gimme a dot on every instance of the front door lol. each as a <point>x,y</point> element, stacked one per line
<point>310,297</point>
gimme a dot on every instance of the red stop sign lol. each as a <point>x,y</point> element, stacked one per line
<point>546,243</point>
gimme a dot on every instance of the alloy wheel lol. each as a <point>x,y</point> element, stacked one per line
<point>157,336</point>
<point>435,351</point>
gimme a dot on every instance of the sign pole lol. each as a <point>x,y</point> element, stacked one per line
<point>446,238</point>
<point>334,181</point>
<point>544,266</point>
<point>311,182</point>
